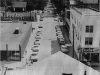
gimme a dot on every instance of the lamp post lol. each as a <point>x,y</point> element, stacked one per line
<point>73,40</point>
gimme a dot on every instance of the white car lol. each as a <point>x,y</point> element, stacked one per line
<point>57,26</point>
<point>33,58</point>
<point>35,49</point>
<point>64,48</point>
<point>60,37</point>
<point>38,37</point>
<point>56,19</point>
<point>39,33</point>
<point>59,32</point>
<point>36,42</point>
<point>68,44</point>
<point>36,45</point>
<point>58,29</point>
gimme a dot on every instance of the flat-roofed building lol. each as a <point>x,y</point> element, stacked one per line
<point>13,40</point>
<point>85,29</point>
<point>18,6</point>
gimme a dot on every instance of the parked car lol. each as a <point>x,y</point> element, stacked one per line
<point>38,37</point>
<point>38,33</point>
<point>57,26</point>
<point>58,29</point>
<point>59,33</point>
<point>35,49</point>
<point>33,54</point>
<point>68,45</point>
<point>61,41</point>
<point>41,19</point>
<point>40,26</point>
<point>36,45</point>
<point>56,19</point>
<point>33,58</point>
<point>60,37</point>
<point>36,42</point>
<point>64,48</point>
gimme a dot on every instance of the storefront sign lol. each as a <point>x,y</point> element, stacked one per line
<point>89,49</point>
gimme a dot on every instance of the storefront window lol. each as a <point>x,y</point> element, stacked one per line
<point>95,57</point>
<point>87,56</point>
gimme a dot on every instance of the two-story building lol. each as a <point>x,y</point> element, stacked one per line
<point>84,33</point>
<point>18,6</point>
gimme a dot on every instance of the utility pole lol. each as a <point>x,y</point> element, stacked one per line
<point>73,40</point>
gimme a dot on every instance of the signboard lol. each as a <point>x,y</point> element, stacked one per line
<point>90,1</point>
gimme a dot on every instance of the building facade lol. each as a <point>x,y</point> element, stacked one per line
<point>14,39</point>
<point>84,33</point>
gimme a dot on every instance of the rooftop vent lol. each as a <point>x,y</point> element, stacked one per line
<point>16,31</point>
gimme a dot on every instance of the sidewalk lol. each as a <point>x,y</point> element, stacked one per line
<point>67,40</point>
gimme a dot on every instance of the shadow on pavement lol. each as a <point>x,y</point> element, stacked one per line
<point>55,46</point>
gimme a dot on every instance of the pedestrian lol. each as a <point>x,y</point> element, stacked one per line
<point>88,63</point>
<point>85,73</point>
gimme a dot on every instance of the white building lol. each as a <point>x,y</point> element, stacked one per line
<point>56,64</point>
<point>86,26</point>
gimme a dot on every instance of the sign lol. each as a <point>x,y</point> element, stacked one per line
<point>89,49</point>
<point>90,1</point>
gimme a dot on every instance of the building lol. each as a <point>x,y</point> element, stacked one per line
<point>19,16</point>
<point>56,64</point>
<point>85,29</point>
<point>13,40</point>
<point>18,6</point>
<point>2,11</point>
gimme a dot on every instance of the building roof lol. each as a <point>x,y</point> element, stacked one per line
<point>18,4</point>
<point>55,64</point>
<point>86,11</point>
<point>12,40</point>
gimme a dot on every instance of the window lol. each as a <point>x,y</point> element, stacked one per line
<point>88,41</point>
<point>95,57</point>
<point>89,29</point>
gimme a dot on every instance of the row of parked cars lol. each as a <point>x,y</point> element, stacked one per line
<point>61,39</point>
<point>36,45</point>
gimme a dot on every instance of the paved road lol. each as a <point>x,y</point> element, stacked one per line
<point>55,46</point>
